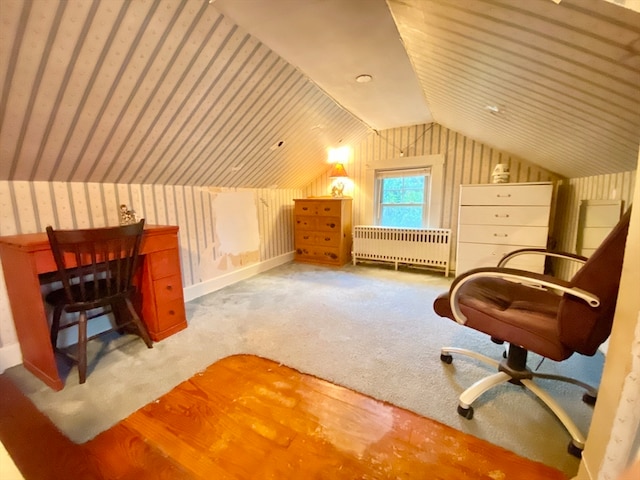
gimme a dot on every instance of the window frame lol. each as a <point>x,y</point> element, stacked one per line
<point>436,185</point>
<point>383,174</point>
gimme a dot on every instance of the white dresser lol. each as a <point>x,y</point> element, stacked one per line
<point>495,219</point>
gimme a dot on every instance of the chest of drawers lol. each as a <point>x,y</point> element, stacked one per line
<point>323,230</point>
<point>496,219</point>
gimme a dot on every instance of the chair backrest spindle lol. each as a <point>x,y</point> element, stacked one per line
<point>99,261</point>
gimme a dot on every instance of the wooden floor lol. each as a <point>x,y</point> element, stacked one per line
<point>247,417</point>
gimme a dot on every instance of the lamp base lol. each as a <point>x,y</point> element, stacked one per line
<point>337,189</point>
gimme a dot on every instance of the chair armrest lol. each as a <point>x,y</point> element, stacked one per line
<point>541,251</point>
<point>522,276</point>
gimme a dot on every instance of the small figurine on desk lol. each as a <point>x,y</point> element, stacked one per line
<point>127,216</point>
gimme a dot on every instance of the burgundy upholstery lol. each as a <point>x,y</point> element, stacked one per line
<point>542,321</point>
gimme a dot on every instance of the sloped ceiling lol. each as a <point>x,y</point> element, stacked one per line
<point>252,93</point>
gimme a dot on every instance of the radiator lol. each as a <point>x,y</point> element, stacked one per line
<point>428,247</point>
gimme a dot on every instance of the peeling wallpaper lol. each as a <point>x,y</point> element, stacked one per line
<point>267,218</point>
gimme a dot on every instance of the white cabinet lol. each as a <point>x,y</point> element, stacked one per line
<point>496,219</point>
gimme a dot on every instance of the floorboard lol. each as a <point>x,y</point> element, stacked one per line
<point>248,417</point>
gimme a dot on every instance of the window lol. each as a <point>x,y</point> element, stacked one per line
<point>402,197</point>
<point>430,167</point>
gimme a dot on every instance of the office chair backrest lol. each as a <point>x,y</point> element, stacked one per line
<point>99,263</point>
<point>583,328</point>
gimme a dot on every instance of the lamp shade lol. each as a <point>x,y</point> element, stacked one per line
<point>338,170</point>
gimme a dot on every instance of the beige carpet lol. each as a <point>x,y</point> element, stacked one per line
<point>369,328</point>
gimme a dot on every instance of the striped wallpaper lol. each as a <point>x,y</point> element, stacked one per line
<point>618,186</point>
<point>27,207</point>
<point>30,206</point>
<point>466,162</point>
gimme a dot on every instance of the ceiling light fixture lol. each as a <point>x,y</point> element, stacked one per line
<point>364,78</point>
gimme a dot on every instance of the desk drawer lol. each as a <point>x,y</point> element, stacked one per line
<point>168,288</point>
<point>537,216</point>
<point>170,318</point>
<point>164,263</point>
<point>503,235</point>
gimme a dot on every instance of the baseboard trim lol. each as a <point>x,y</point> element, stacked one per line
<point>194,291</point>
<point>10,355</point>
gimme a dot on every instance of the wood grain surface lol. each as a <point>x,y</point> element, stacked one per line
<point>248,417</point>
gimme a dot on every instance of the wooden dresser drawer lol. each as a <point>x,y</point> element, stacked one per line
<point>317,238</point>
<point>537,216</point>
<point>324,208</point>
<point>504,194</point>
<point>318,254</point>
<point>503,234</point>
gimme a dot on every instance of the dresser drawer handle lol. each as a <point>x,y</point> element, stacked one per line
<point>508,195</point>
<point>172,312</point>
<point>332,225</point>
<point>327,239</point>
<point>501,235</point>
<point>327,209</point>
<point>306,237</point>
<point>169,287</point>
<point>506,215</point>
<point>305,208</point>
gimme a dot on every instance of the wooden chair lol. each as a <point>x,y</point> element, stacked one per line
<point>96,267</point>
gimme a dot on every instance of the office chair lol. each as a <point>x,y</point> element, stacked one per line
<point>96,267</point>
<point>538,313</point>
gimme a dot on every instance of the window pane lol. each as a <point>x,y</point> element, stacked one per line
<point>401,216</point>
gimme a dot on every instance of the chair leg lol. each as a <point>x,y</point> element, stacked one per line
<point>577,439</point>
<point>447,351</point>
<point>467,397</point>
<point>82,346</point>
<point>55,325</point>
<point>138,323</point>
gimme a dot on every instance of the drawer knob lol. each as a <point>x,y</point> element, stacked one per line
<point>327,209</point>
<point>508,195</point>
<point>172,312</point>
<point>327,239</point>
<point>497,215</point>
<point>500,235</point>
<point>331,225</point>
<point>306,237</point>
<point>305,208</point>
<point>169,287</point>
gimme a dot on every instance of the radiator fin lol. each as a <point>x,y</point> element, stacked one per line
<point>428,247</point>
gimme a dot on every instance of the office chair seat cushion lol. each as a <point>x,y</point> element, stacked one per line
<point>93,298</point>
<point>526,316</point>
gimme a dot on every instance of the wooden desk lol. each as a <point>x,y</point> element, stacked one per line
<point>26,257</point>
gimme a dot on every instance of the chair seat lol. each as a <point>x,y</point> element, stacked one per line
<point>96,296</point>
<point>503,309</point>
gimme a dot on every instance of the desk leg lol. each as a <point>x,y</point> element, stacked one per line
<point>27,307</point>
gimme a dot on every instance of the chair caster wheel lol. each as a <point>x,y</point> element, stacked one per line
<point>446,358</point>
<point>589,399</point>
<point>465,412</point>
<point>575,451</point>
